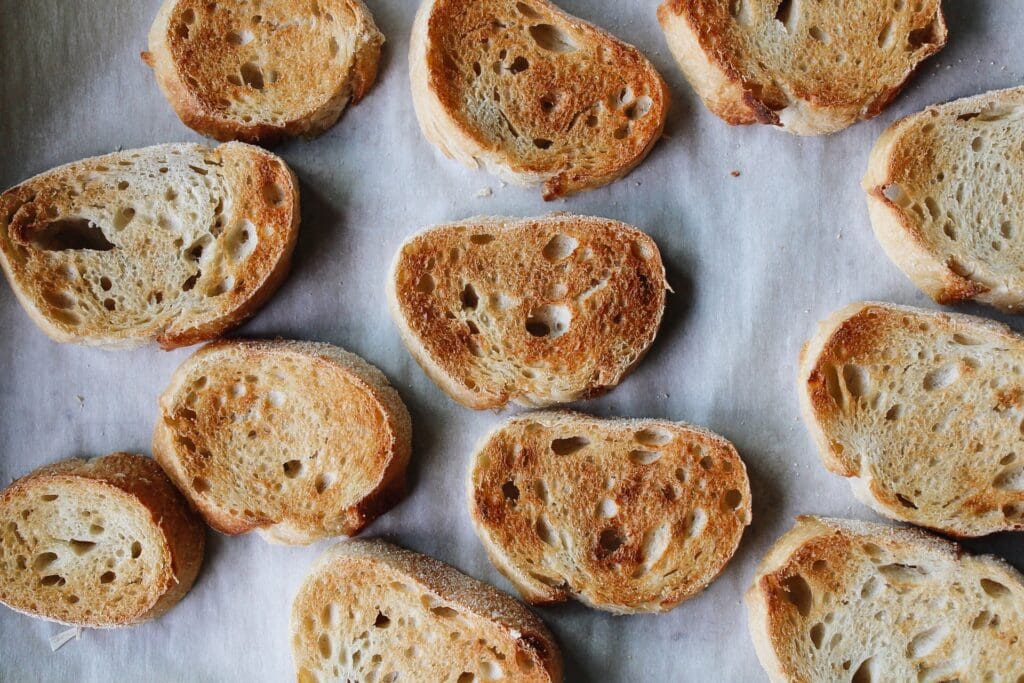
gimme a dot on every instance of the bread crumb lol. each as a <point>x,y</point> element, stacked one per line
<point>735,174</point>
<point>484,192</point>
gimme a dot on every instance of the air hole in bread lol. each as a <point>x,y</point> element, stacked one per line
<point>425,284</point>
<point>324,481</point>
<point>787,14</point>
<point>817,633</point>
<point>466,677</point>
<point>894,413</point>
<point>925,642</point>
<point>252,75</point>
<point>886,35</point>
<point>105,283</point>
<point>639,457</point>
<point>243,37</point>
<point>857,380</point>
<point>468,297</point>
<point>542,143</point>
<point>61,300</point>
<point>552,38</point>
<point>43,560</point>
<point>107,577</point>
<point>136,550</point>
<point>995,589</point>
<point>820,35</point>
<point>798,592</point>
<point>324,646</point>
<point>481,238</point>
<point>732,499</point>
<point>444,612</point>
<point>926,35</point>
<point>941,377</point>
<point>292,468</point>
<point>898,573</point>
<point>707,462</point>
<point>622,132</point>
<point>109,304</point>
<point>864,672</point>
<point>549,321</point>
<point>81,547</point>
<point>53,580</point>
<point>527,11</point>
<point>545,532</point>
<point>72,233</point>
<point>382,620</point>
<point>519,64</point>
<point>610,540</point>
<point>200,485</point>
<point>740,11</point>
<point>96,529</point>
<point>1010,479</point>
<point>273,194</point>
<point>510,491</point>
<point>695,522</point>
<point>559,247</point>
<point>905,502</point>
<point>569,445</point>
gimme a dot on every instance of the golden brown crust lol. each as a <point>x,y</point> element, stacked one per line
<point>138,271</point>
<point>790,65</point>
<point>134,480</point>
<point>236,72</point>
<point>534,94</point>
<point>536,311</point>
<point>626,515</point>
<point>298,440</point>
<point>415,598</point>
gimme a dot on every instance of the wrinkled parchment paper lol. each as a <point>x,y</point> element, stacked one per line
<point>755,261</point>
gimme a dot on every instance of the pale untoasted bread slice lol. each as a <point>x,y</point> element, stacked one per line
<point>100,543</point>
<point>173,243</point>
<point>626,515</point>
<point>536,311</point>
<point>944,190</point>
<point>842,600</point>
<point>533,94</point>
<point>370,611</point>
<point>923,411</point>
<point>257,72</point>
<point>297,440</point>
<point>807,67</point>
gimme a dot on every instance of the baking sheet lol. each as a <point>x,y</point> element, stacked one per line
<point>755,261</point>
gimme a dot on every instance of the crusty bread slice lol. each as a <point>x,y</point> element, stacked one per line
<point>297,440</point>
<point>536,311</point>
<point>626,515</point>
<point>923,411</point>
<point>842,600</point>
<point>370,611</point>
<point>807,67</point>
<point>257,72</point>
<point>944,189</point>
<point>173,243</point>
<point>533,94</point>
<point>100,543</point>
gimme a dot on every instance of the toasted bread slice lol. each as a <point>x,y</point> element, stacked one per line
<point>536,311</point>
<point>257,72</point>
<point>923,411</point>
<point>533,94</point>
<point>100,543</point>
<point>297,440</point>
<point>372,611</point>
<point>842,600</point>
<point>626,515</point>
<point>944,189</point>
<point>807,67</point>
<point>173,243</point>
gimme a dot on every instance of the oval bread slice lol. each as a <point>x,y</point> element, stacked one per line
<point>943,189</point>
<point>297,440</point>
<point>99,543</point>
<point>257,72</point>
<point>626,515</point>
<point>923,411</point>
<point>533,94</point>
<point>173,243</point>
<point>536,311</point>
<point>842,600</point>
<point>807,67</point>
<point>372,611</point>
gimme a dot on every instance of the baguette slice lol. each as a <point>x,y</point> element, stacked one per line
<point>297,440</point>
<point>944,191</point>
<point>627,516</point>
<point>923,411</point>
<point>842,600</point>
<point>99,543</point>
<point>808,67</point>
<point>536,311</point>
<point>371,611</point>
<point>533,94</point>
<point>173,243</point>
<point>258,72</point>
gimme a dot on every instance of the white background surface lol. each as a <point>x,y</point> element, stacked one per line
<point>755,261</point>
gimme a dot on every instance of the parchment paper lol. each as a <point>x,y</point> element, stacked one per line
<point>755,261</point>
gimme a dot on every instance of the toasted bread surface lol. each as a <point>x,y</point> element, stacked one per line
<point>535,311</point>
<point>257,72</point>
<point>923,411</point>
<point>943,189</point>
<point>370,610</point>
<point>807,67</point>
<point>100,543</point>
<point>533,94</point>
<point>842,600</point>
<point>626,515</point>
<point>297,440</point>
<point>173,243</point>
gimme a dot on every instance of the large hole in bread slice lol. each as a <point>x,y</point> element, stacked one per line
<point>72,233</point>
